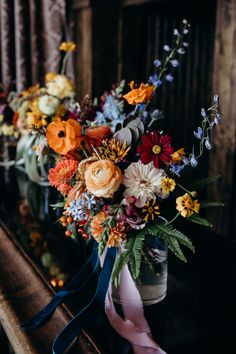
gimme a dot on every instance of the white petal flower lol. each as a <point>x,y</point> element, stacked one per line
<point>143,182</point>
<point>48,104</point>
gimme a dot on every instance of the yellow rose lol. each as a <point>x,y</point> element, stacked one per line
<point>103,178</point>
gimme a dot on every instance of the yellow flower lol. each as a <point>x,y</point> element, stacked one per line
<point>37,121</point>
<point>139,95</point>
<point>167,185</point>
<point>103,178</point>
<point>113,150</point>
<point>177,156</point>
<point>67,46</point>
<point>187,206</point>
<point>151,209</point>
<point>31,91</point>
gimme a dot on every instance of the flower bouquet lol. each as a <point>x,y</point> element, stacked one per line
<point>35,108</point>
<point>124,184</point>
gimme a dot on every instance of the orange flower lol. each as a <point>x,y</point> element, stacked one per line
<point>99,132</point>
<point>96,225</point>
<point>60,175</point>
<point>103,178</point>
<point>64,136</point>
<point>116,236</point>
<point>139,95</point>
<point>94,136</point>
<point>177,156</point>
<point>67,46</point>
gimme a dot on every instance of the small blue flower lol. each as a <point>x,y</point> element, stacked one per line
<point>166,48</point>
<point>176,32</point>
<point>212,124</point>
<point>193,161</point>
<point>157,63</point>
<point>208,144</point>
<point>198,133</point>
<point>185,44</point>
<point>176,169</point>
<point>169,78</point>
<point>216,99</point>
<point>186,161</point>
<point>174,63</point>
<point>203,113</point>
<point>181,51</point>
<point>154,80</point>
<point>185,31</point>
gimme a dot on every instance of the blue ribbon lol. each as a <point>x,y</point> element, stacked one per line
<point>91,311</point>
<point>74,286</point>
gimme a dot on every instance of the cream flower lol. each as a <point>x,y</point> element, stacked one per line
<point>48,104</point>
<point>143,182</point>
<point>59,86</point>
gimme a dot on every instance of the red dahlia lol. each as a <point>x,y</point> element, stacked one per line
<point>155,147</point>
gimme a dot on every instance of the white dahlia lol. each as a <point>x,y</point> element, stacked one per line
<point>143,182</point>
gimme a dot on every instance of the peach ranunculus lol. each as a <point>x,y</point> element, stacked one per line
<point>103,178</point>
<point>139,95</point>
<point>99,132</point>
<point>64,136</point>
<point>75,193</point>
<point>96,225</point>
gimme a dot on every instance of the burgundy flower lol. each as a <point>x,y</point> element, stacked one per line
<point>155,147</point>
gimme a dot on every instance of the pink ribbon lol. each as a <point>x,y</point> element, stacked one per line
<point>134,327</point>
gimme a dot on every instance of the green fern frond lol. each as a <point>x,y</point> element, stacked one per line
<point>203,182</point>
<point>210,204</point>
<point>199,220</point>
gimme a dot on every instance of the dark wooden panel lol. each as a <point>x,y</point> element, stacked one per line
<point>23,292</point>
<point>224,155</point>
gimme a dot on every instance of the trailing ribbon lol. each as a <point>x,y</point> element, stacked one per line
<point>74,286</point>
<point>134,327</point>
<point>91,311</point>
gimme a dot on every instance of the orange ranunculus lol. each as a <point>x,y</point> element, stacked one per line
<point>64,136</point>
<point>139,95</point>
<point>103,178</point>
<point>94,136</point>
<point>96,225</point>
<point>99,132</point>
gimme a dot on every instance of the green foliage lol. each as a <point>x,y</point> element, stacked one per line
<point>173,237</point>
<point>199,220</point>
<point>203,182</point>
<point>131,256</point>
<point>210,204</point>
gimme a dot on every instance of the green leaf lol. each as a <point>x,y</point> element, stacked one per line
<point>57,205</point>
<point>131,256</point>
<point>203,182</point>
<point>199,220</point>
<point>210,204</point>
<point>174,246</point>
<point>168,231</point>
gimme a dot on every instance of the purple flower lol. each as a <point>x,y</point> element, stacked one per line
<point>174,63</point>
<point>169,78</point>
<point>198,133</point>
<point>157,63</point>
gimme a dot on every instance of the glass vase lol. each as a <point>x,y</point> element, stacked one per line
<point>152,280</point>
